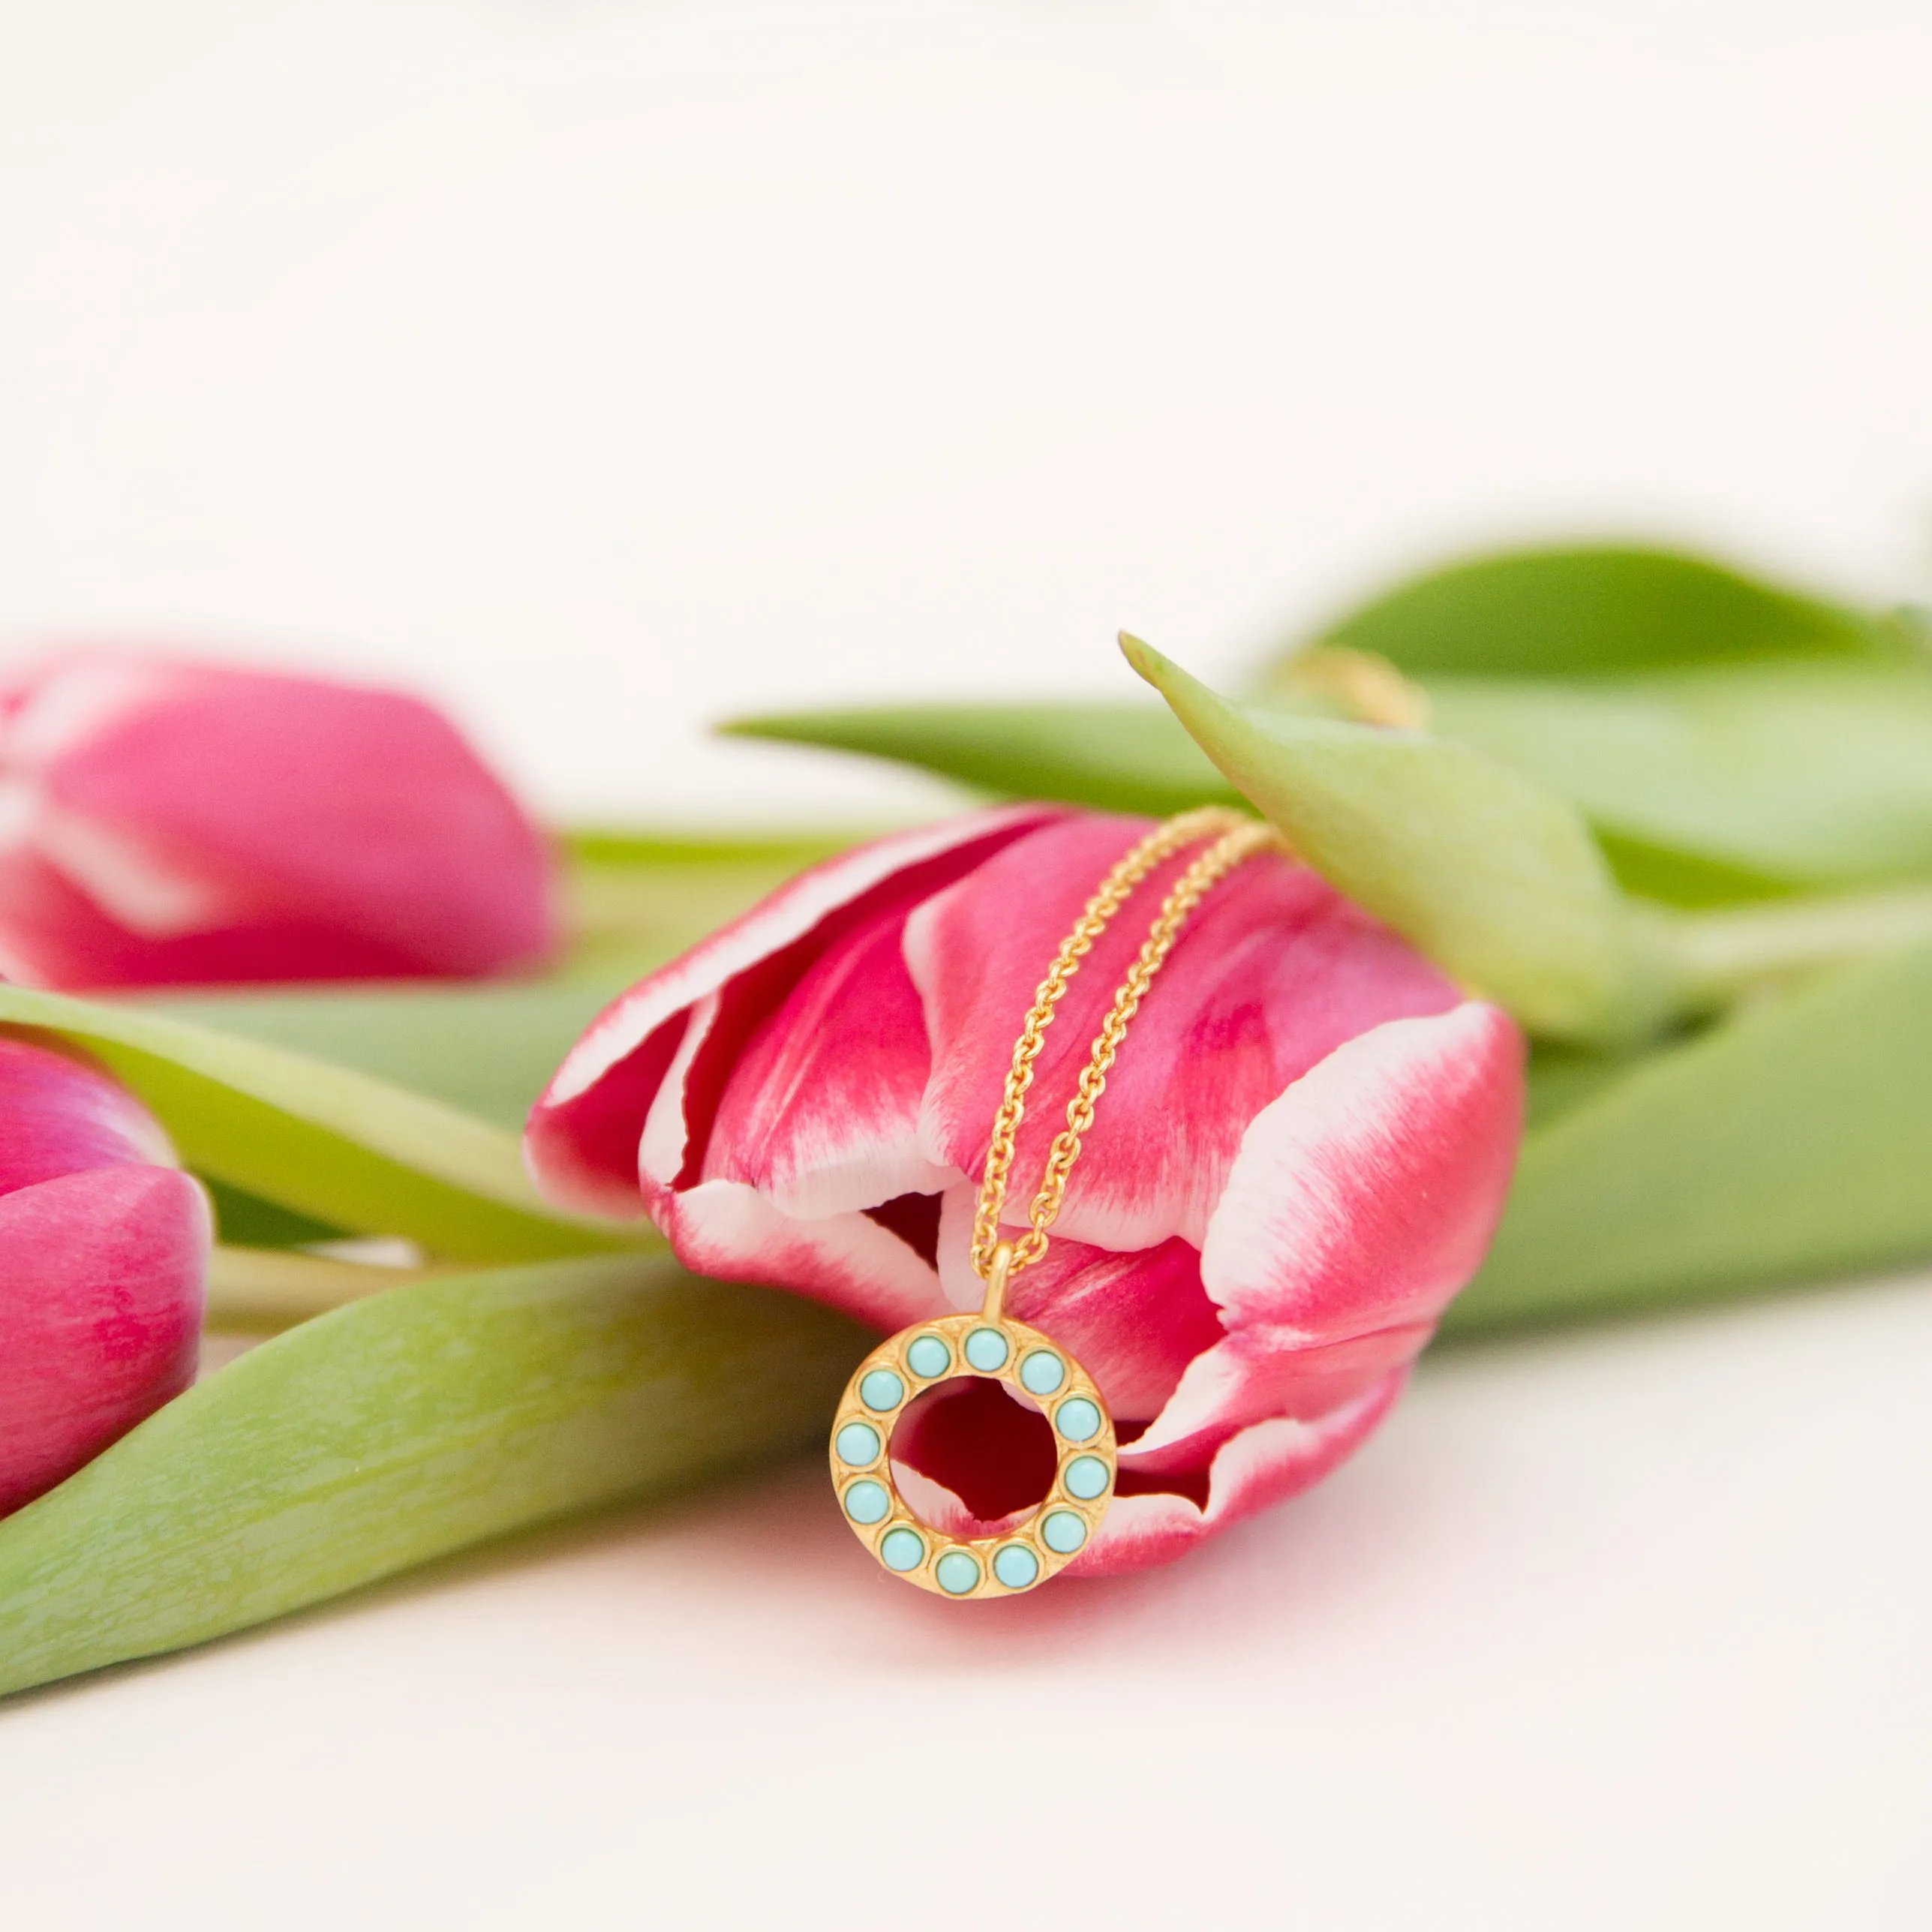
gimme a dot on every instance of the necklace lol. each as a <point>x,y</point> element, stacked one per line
<point>990,1343</point>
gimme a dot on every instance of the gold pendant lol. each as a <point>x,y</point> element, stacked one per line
<point>989,1344</point>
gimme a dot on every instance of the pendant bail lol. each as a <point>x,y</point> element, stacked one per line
<point>993,1305</point>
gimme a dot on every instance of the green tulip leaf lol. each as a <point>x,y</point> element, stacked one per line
<point>691,855</point>
<point>1790,774</point>
<point>1598,607</point>
<point>1491,875</point>
<point>1792,1142</point>
<point>1116,758</point>
<point>489,1049</point>
<point>262,1291</point>
<point>1561,1078</point>
<point>1682,880</point>
<point>400,1428</point>
<point>324,1141</point>
<point>252,1222</point>
<point>1704,786</point>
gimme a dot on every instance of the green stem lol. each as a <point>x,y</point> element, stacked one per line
<point>1714,960</point>
<point>268,1290</point>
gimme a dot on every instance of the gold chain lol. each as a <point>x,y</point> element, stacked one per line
<point>1236,838</point>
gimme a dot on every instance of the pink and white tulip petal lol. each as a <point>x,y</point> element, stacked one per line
<point>101,1276</point>
<point>820,1107</point>
<point>584,1142</point>
<point>1263,1465</point>
<point>166,823</point>
<point>849,1261</point>
<point>1272,973</point>
<point>1362,1200</point>
<point>61,1114</point>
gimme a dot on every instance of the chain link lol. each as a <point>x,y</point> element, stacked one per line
<point>1236,838</point>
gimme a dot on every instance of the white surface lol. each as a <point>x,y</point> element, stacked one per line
<point>1614,1631</point>
<point>606,367</point>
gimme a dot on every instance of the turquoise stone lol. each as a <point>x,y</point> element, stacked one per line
<point>1085,1478</point>
<point>867,1502</point>
<point>986,1349</point>
<point>901,1549</point>
<point>1078,1419</point>
<point>858,1445</point>
<point>1042,1372</point>
<point>881,1390</point>
<point>1063,1532</point>
<point>956,1572</point>
<point>1016,1566</point>
<point>929,1357</point>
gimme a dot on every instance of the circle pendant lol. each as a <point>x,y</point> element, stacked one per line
<point>995,1348</point>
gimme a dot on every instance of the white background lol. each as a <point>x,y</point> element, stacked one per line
<point>606,366</point>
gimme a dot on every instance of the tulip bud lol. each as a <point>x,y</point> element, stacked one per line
<point>165,823</point>
<point>104,1256</point>
<point>1302,1151</point>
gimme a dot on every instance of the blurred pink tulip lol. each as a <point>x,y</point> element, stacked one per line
<point>1303,1150</point>
<point>104,1258</point>
<point>165,822</point>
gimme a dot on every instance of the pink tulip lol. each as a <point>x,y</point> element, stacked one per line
<point>103,1254</point>
<point>165,822</point>
<point>1299,1157</point>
